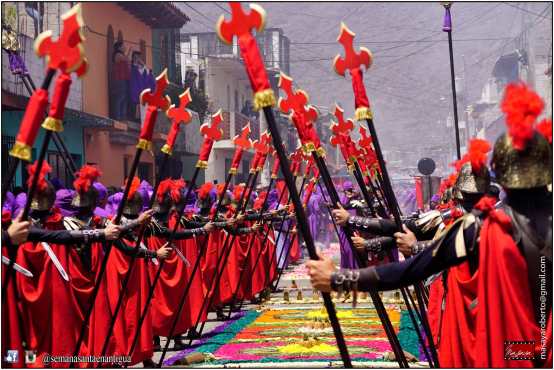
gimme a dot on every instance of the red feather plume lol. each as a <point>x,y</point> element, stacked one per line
<point>163,188</point>
<point>522,106</point>
<point>204,190</point>
<point>220,188</point>
<point>477,154</point>
<point>178,186</point>
<point>31,169</point>
<point>134,187</point>
<point>259,202</point>
<point>85,177</point>
<point>545,129</point>
<point>237,191</point>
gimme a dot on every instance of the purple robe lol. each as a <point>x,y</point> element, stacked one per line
<point>347,258</point>
<point>63,202</point>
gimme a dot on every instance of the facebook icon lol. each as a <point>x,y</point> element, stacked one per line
<point>12,356</point>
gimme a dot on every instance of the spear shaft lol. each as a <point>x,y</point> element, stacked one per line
<point>129,273</point>
<point>245,264</point>
<point>302,223</point>
<point>104,264</point>
<point>377,302</point>
<point>180,212</point>
<point>226,251</point>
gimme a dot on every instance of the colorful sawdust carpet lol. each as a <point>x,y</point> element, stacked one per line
<point>299,272</point>
<point>301,334</point>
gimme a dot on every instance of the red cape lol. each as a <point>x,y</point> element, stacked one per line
<point>133,304</point>
<point>506,310</point>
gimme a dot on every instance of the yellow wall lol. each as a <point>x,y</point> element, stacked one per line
<point>98,16</point>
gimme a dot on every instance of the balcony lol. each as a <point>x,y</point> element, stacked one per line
<point>12,83</point>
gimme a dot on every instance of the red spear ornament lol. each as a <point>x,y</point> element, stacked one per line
<point>240,25</point>
<point>342,126</point>
<point>177,116</point>
<point>264,148</point>
<point>275,169</point>
<point>353,62</point>
<point>211,134</point>
<point>302,115</point>
<point>242,142</point>
<point>154,101</point>
<point>66,54</point>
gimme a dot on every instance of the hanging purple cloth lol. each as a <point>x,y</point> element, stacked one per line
<point>63,202</point>
<point>17,65</point>
<point>150,80</point>
<point>136,84</point>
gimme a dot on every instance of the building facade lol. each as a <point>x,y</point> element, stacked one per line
<point>93,133</point>
<point>216,70</point>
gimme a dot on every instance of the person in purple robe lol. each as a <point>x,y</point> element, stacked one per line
<point>347,258</point>
<point>19,204</point>
<point>146,190</point>
<point>314,214</point>
<point>101,200</point>
<point>9,203</point>
<point>63,202</point>
<point>113,203</point>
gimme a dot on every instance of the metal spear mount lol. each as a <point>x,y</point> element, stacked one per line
<point>240,25</point>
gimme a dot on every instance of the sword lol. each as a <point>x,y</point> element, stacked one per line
<point>179,254</point>
<point>55,260</point>
<point>153,259</point>
<point>16,267</point>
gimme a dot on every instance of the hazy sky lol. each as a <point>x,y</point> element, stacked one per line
<point>409,82</point>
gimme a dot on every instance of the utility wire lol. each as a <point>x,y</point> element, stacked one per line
<point>526,11</point>
<point>400,41</point>
<point>222,8</point>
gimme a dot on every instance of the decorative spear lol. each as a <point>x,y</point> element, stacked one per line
<point>212,133</point>
<point>351,153</point>
<point>447,27</point>
<point>353,62</point>
<point>156,101</point>
<point>58,142</point>
<point>296,164</point>
<point>178,116</point>
<point>240,25</point>
<point>303,120</point>
<point>263,208</point>
<point>262,149</point>
<point>67,55</point>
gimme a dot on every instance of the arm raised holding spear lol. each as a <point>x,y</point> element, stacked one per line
<point>240,25</point>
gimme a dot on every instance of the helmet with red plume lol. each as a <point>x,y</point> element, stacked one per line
<point>45,194</point>
<point>473,174</point>
<point>522,157</point>
<point>133,205</point>
<point>85,193</point>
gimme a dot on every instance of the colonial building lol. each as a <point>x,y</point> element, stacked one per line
<point>216,70</point>
<point>103,120</point>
